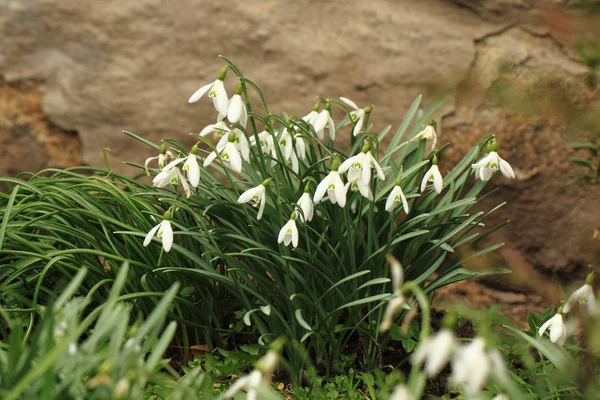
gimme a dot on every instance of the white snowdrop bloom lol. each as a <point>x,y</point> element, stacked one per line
<point>236,110</point>
<point>240,142</point>
<point>401,392</point>
<point>498,367</point>
<point>289,233</point>
<point>585,297</point>
<point>398,301</point>
<point>333,185</point>
<point>435,352</point>
<point>216,91</point>
<point>500,396</point>
<point>359,186</point>
<point>229,154</point>
<point>257,195</point>
<point>311,117</point>
<point>265,140</point>
<point>220,129</point>
<point>427,134</point>
<point>359,167</point>
<point>558,331</point>
<point>306,205</point>
<point>249,383</point>
<point>490,164</point>
<point>171,174</point>
<point>433,175</point>
<point>286,144</point>
<point>162,230</point>
<point>164,157</point>
<point>300,146</point>
<point>323,121</point>
<point>357,115</point>
<point>396,197</point>
<point>470,366</point>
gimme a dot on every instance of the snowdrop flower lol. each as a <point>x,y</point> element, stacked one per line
<point>500,396</point>
<point>333,186</point>
<point>220,128</point>
<point>191,167</point>
<point>470,366</point>
<point>305,203</point>
<point>216,91</point>
<point>163,157</point>
<point>433,175</point>
<point>311,117</point>
<point>401,392</point>
<point>359,166</point>
<point>398,300</point>
<point>171,174</point>
<point>491,163</point>
<point>435,352</point>
<point>359,186</point>
<point>289,233</point>
<point>236,110</point>
<point>265,140</point>
<point>427,134</point>
<point>357,115</point>
<point>162,230</point>
<point>556,324</point>
<point>230,147</point>
<point>258,379</point>
<point>396,197</point>
<point>585,297</point>
<point>257,195</point>
<point>323,121</point>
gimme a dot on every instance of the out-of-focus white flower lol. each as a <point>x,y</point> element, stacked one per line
<point>490,164</point>
<point>435,352</point>
<point>323,121</point>
<point>396,197</point>
<point>258,379</point>
<point>162,230</point>
<point>171,174</point>
<point>500,396</point>
<point>359,166</point>
<point>216,91</point>
<point>357,115</point>
<point>333,185</point>
<point>164,157</point>
<point>236,111</point>
<point>558,331</point>
<point>397,302</point>
<point>433,175</point>
<point>585,297</point>
<point>470,367</point>
<point>359,186</point>
<point>257,195</point>
<point>289,233</point>
<point>305,203</point>
<point>220,129</point>
<point>401,392</point>
<point>427,134</point>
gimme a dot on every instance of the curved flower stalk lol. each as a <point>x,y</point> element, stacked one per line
<point>585,297</point>
<point>428,133</point>
<point>333,185</point>
<point>485,168</point>
<point>164,157</point>
<point>162,230</point>
<point>359,166</point>
<point>433,175</point>
<point>289,232</point>
<point>216,91</point>
<point>257,195</point>
<point>236,110</point>
<point>324,120</point>
<point>558,330</point>
<point>357,115</point>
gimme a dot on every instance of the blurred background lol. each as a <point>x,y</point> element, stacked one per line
<point>75,73</point>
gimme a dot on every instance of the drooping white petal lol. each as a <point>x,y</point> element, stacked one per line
<point>340,190</point>
<point>305,203</point>
<point>349,102</point>
<point>359,123</point>
<point>483,162</point>
<point>234,110</point>
<point>184,184</point>
<point>401,392</point>
<point>558,331</point>
<point>584,296</point>
<point>211,157</point>
<point>193,170</point>
<point>376,165</point>
<point>251,194</point>
<point>166,233</point>
<point>147,162</point>
<point>233,157</point>
<point>437,179</point>
<point>506,169</point>
<point>331,126</point>
<point>200,92</point>
<point>150,235</point>
<point>220,100</point>
<point>261,208</point>
<point>321,189</point>
<point>243,143</point>
<point>220,128</point>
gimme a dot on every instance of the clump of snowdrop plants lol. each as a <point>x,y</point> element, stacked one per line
<point>297,214</point>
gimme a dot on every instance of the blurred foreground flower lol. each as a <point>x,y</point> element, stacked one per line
<point>585,297</point>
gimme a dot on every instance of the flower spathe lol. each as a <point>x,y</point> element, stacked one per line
<point>289,233</point>
<point>162,230</point>
<point>558,330</point>
<point>334,187</point>
<point>257,195</point>
<point>305,203</point>
<point>433,175</point>
<point>485,168</point>
<point>396,197</point>
<point>585,297</point>
<point>357,115</point>
<point>435,352</point>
